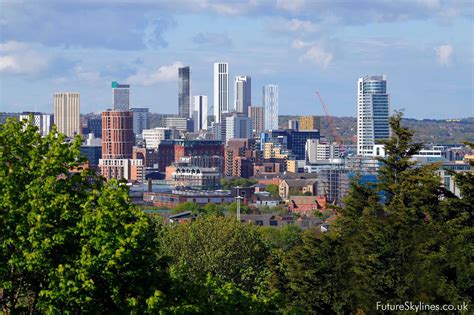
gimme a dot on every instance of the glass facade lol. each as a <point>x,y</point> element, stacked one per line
<point>243,94</point>
<point>184,92</point>
<point>121,96</point>
<point>270,103</point>
<point>221,90</point>
<point>372,113</point>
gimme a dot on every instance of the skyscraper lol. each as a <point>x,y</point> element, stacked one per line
<point>221,89</point>
<point>117,147</point>
<point>270,103</point>
<point>184,92</point>
<point>141,120</point>
<point>243,94</point>
<point>372,113</point>
<point>121,96</point>
<point>67,107</point>
<point>257,114</point>
<point>238,127</point>
<point>44,122</point>
<point>200,112</point>
<point>117,134</point>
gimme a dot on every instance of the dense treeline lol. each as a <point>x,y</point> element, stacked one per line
<point>71,243</point>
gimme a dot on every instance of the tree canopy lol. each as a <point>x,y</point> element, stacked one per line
<point>394,241</point>
<point>73,243</point>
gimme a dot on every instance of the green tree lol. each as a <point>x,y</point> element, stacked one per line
<point>273,190</point>
<point>228,183</point>
<point>390,242</point>
<point>222,247</point>
<point>69,243</point>
<point>212,209</point>
<point>232,208</point>
<point>284,238</point>
<point>118,268</point>
<point>187,206</point>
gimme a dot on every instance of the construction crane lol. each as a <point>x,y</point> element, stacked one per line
<point>334,132</point>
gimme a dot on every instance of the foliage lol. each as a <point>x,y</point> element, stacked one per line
<point>68,242</point>
<point>297,192</point>
<point>71,243</point>
<point>117,268</point>
<point>213,209</point>
<point>284,238</point>
<point>74,244</point>
<point>228,183</point>
<point>212,296</point>
<point>280,209</point>
<point>404,239</point>
<point>186,206</point>
<point>222,247</point>
<point>273,190</point>
<point>232,208</point>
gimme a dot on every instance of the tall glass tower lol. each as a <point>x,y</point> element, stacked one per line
<point>121,96</point>
<point>200,112</point>
<point>372,113</point>
<point>221,89</point>
<point>270,103</point>
<point>243,94</point>
<point>184,92</point>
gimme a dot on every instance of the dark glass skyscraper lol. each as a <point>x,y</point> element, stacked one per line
<point>184,92</point>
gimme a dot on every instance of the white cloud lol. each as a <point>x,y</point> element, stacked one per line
<point>21,58</point>
<point>444,53</point>
<point>315,52</point>
<point>298,44</point>
<point>12,46</point>
<point>87,75</point>
<point>166,73</point>
<point>430,4</point>
<point>293,25</point>
<point>291,5</point>
<point>318,55</point>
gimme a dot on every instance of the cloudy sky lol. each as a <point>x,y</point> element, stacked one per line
<point>424,47</point>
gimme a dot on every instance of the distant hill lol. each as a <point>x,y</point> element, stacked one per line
<point>429,131</point>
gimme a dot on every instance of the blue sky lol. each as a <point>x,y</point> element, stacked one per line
<point>424,47</point>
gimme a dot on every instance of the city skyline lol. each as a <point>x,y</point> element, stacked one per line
<point>299,45</point>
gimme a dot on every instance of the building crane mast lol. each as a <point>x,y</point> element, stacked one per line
<point>334,132</point>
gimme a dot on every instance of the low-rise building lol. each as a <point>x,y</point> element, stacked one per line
<point>91,149</point>
<point>153,137</point>
<point>129,169</point>
<point>180,123</point>
<point>266,199</point>
<point>269,168</point>
<point>292,186</point>
<point>202,197</point>
<point>306,205</point>
<point>317,151</point>
<point>278,221</point>
<point>149,156</point>
<point>196,177</point>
